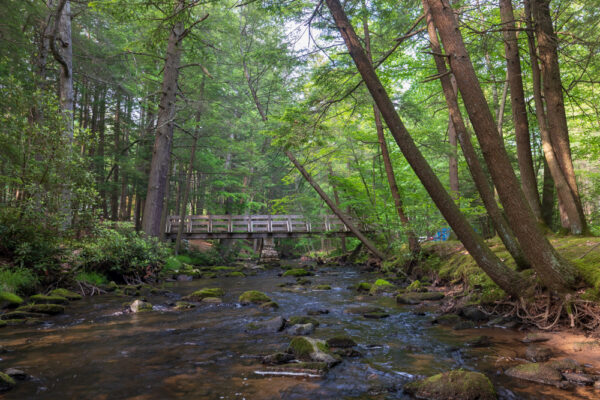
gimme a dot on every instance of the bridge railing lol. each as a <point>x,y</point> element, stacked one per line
<point>255,224</point>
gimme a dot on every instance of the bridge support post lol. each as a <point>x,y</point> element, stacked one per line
<point>268,253</point>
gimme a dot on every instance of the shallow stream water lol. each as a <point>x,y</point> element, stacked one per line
<point>94,351</point>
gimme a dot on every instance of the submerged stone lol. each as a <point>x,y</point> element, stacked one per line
<point>363,287</point>
<point>76,296</point>
<point>253,296</point>
<point>457,385</point>
<point>20,315</point>
<point>201,294</point>
<point>184,305</point>
<point>212,300</point>
<point>6,382</point>
<point>537,353</point>
<point>271,305</point>
<point>16,374</point>
<point>301,329</point>
<point>140,306</point>
<point>416,298</point>
<point>473,313</point>
<point>43,299</point>
<point>323,287</point>
<point>297,272</point>
<point>536,372</point>
<point>277,358</point>
<point>309,349</point>
<point>50,309</point>
<point>317,312</point>
<point>275,324</point>
<point>341,342</point>
<point>301,319</point>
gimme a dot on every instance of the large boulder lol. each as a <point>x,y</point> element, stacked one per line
<point>52,299</point>
<point>536,372</point>
<point>10,299</point>
<point>457,385</point>
<point>140,306</point>
<point>275,324</point>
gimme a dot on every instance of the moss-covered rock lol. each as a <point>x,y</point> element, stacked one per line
<point>50,309</point>
<point>362,310</point>
<point>6,382</point>
<point>238,274</point>
<point>184,305</point>
<point>212,300</point>
<point>20,315</point>
<point>201,294</point>
<point>53,299</point>
<point>2,323</point>
<point>76,296</point>
<point>277,358</point>
<point>363,286</point>
<point>10,299</point>
<point>303,281</point>
<point>382,286</point>
<point>447,320</point>
<point>416,298</point>
<point>253,296</point>
<point>308,349</point>
<point>297,272</point>
<point>209,275</point>
<point>457,385</point>
<point>416,286</point>
<point>537,353</point>
<point>275,324</point>
<point>111,287</point>
<point>270,305</point>
<point>302,319</point>
<point>536,372</point>
<point>322,287</point>
<point>341,342</point>
<point>138,306</point>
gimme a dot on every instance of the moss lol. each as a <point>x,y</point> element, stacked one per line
<point>236,274</point>
<point>301,347</point>
<point>6,382</point>
<point>363,287</point>
<point>254,296</point>
<point>184,305</point>
<point>382,282</point>
<point>198,295</point>
<point>19,314</point>
<point>54,299</point>
<point>416,298</point>
<point>324,347</point>
<point>269,305</point>
<point>2,323</point>
<point>303,281</point>
<point>457,384</point>
<point>302,320</point>
<point>447,319</point>
<point>222,268</point>
<point>296,272</point>
<point>10,298</point>
<point>323,287</point>
<point>381,286</point>
<point>209,275</point>
<point>76,296</point>
<point>415,286</point>
<point>43,308</point>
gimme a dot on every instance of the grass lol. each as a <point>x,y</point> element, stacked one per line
<point>19,280</point>
<point>93,278</point>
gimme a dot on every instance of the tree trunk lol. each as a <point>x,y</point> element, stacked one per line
<point>554,271</point>
<point>413,241</point>
<point>566,198</point>
<point>100,158</point>
<point>186,191</point>
<point>507,279</point>
<point>161,155</point>
<point>555,106</point>
<point>114,191</point>
<point>343,217</point>
<point>165,209</point>
<point>453,161</point>
<point>548,197</point>
<point>479,178</point>
<point>519,112</point>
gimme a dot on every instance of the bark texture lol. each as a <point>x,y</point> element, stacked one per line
<point>479,177</point>
<point>503,276</point>
<point>519,112</point>
<point>553,270</point>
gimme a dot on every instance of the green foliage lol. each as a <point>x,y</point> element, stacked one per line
<point>91,277</point>
<point>17,280</point>
<point>116,250</point>
<point>172,264</point>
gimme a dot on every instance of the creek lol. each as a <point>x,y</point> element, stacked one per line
<point>96,351</point>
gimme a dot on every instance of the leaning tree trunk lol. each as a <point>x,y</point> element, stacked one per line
<point>161,155</point>
<point>555,104</point>
<point>413,241</point>
<point>553,270</point>
<point>186,192</point>
<point>342,216</point>
<point>519,112</point>
<point>479,178</point>
<point>566,197</point>
<point>507,279</point>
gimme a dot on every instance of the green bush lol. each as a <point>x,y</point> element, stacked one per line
<point>184,259</point>
<point>18,280</point>
<point>116,250</point>
<point>173,264</point>
<point>93,278</point>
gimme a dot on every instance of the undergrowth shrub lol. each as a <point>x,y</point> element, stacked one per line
<point>17,280</point>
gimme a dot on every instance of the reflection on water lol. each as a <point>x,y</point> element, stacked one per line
<point>96,352</point>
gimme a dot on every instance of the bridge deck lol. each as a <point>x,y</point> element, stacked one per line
<point>254,226</point>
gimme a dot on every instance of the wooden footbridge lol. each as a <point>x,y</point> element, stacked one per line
<point>254,226</point>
